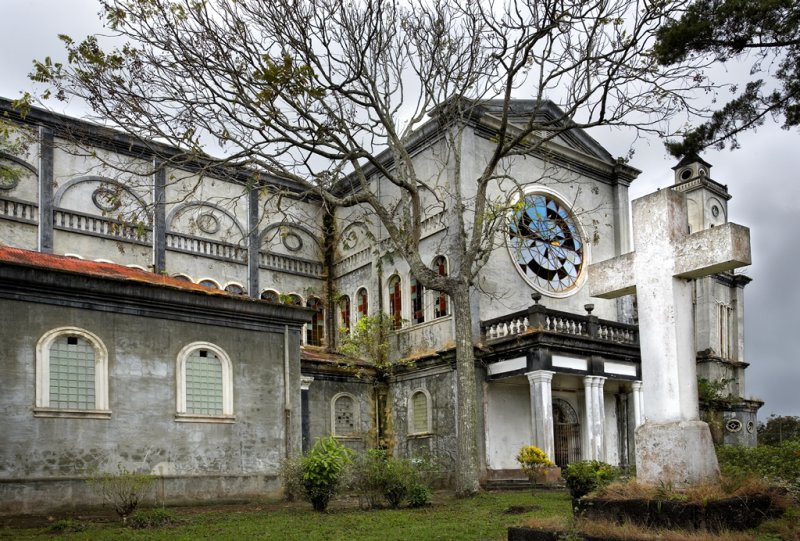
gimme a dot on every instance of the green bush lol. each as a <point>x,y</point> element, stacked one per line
<point>399,477</point>
<point>323,467</point>
<point>587,476</point>
<point>419,496</point>
<point>291,476</point>
<point>366,477</point>
<point>66,525</point>
<point>152,518</point>
<point>375,476</point>
<point>778,464</point>
<point>124,489</point>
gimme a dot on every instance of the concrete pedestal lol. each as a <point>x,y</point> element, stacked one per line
<point>680,453</point>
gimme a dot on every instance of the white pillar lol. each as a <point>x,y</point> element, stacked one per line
<point>595,417</point>
<point>638,411</point>
<point>542,410</point>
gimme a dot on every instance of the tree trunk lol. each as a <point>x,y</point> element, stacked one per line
<point>467,482</point>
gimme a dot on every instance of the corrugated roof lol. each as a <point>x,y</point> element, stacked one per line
<point>110,271</point>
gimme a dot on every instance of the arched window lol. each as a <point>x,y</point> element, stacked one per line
<point>566,433</point>
<point>440,307</point>
<point>315,331</point>
<point>293,300</point>
<point>205,384</point>
<point>270,295</point>
<point>419,412</point>
<point>182,278</point>
<point>208,282</point>
<point>363,302</point>
<point>395,302</point>
<point>71,375</point>
<point>344,314</point>
<point>235,289</point>
<point>345,416</point>
<point>417,301</point>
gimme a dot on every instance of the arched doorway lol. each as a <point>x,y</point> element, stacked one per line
<point>566,433</point>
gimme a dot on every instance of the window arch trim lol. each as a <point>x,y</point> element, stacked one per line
<point>227,386</point>
<point>356,417</point>
<point>42,407</point>
<point>428,422</point>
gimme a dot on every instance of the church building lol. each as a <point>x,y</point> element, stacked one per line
<point>184,320</point>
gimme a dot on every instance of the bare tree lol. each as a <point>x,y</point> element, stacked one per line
<point>334,95</point>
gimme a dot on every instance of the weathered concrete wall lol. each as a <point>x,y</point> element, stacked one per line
<point>44,461</point>
<point>321,393</point>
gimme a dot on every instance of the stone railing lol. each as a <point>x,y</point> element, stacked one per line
<point>206,247</point>
<point>16,209</point>
<point>294,265</point>
<point>69,220</point>
<point>543,319</point>
<point>353,262</point>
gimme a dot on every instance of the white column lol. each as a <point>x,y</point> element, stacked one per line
<point>599,418</point>
<point>595,417</point>
<point>638,411</point>
<point>542,410</point>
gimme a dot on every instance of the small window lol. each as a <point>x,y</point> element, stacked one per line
<point>345,416</point>
<point>205,386</point>
<point>270,295</point>
<point>71,375</point>
<point>182,278</point>
<point>315,331</point>
<point>419,413</point>
<point>363,303</point>
<point>344,314</point>
<point>440,307</point>
<point>396,302</point>
<point>417,301</point>
<point>207,282</point>
<point>235,289</point>
<point>293,300</point>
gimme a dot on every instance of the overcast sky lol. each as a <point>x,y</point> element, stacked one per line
<point>762,177</point>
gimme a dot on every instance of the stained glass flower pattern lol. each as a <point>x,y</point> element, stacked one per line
<point>545,242</point>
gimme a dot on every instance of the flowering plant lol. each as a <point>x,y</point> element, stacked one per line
<point>533,459</point>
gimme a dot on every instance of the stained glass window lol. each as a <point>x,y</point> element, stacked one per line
<point>545,242</point>
<point>395,302</point>
<point>417,301</point>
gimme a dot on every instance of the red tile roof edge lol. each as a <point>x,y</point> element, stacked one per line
<point>111,271</point>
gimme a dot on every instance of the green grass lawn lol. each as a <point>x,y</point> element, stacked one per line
<point>485,516</point>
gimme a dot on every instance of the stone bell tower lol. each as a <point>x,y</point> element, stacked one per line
<point>719,316</point>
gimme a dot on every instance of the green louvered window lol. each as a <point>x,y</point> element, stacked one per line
<point>419,408</point>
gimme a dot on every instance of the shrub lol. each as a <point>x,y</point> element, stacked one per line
<point>376,476</point>
<point>124,489</point>
<point>778,464</point>
<point>419,496</point>
<point>532,459</point>
<point>66,525</point>
<point>399,477</point>
<point>367,477</point>
<point>291,476</point>
<point>587,476</point>
<point>152,518</point>
<point>322,471</point>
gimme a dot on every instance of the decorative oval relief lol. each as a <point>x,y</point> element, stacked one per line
<point>751,426</point>
<point>733,425</point>
<point>9,179</point>
<point>106,199</point>
<point>207,223</point>
<point>292,241</point>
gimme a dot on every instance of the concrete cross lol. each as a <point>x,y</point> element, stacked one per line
<point>673,445</point>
